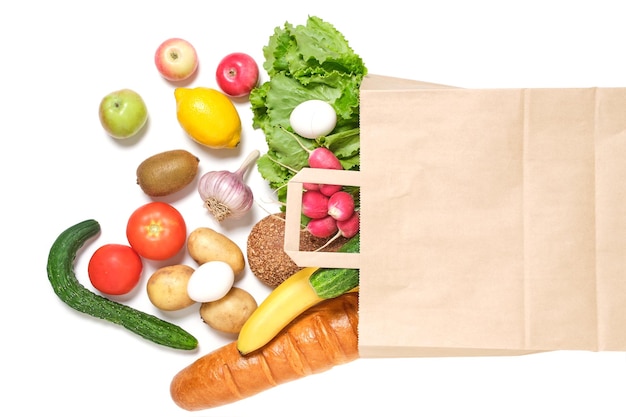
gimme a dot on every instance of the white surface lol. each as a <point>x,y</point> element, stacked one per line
<point>59,58</point>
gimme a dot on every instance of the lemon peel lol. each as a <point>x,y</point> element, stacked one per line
<point>208,116</point>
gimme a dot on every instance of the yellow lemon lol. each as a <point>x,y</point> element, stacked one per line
<point>208,117</point>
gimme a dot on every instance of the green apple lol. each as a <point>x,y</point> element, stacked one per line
<point>123,113</point>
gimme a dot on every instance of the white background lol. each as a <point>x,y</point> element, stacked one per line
<point>58,167</point>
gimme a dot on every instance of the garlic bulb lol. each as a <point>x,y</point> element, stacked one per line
<point>225,194</point>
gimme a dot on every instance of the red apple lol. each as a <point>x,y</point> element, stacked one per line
<point>176,59</point>
<point>237,74</point>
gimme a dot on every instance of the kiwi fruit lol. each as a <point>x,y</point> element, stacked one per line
<point>167,172</point>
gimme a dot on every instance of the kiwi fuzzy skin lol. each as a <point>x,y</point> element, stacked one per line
<point>167,172</point>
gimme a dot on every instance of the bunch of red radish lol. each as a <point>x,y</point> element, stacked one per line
<point>331,210</point>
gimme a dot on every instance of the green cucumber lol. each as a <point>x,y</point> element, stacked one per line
<point>74,294</point>
<point>333,282</point>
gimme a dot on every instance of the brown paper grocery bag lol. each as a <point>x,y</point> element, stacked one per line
<point>493,221</point>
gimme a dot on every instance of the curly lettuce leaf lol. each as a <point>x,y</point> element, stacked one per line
<point>307,62</point>
<point>321,42</point>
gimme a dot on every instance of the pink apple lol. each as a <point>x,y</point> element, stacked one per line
<point>176,59</point>
<point>237,74</point>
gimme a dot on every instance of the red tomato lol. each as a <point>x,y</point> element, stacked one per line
<point>114,269</point>
<point>156,231</point>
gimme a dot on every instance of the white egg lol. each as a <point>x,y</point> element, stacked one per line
<point>210,281</point>
<point>313,118</point>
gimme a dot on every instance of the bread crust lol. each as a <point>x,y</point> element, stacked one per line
<point>321,338</point>
<point>266,257</point>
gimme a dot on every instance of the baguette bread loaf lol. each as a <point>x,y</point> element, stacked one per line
<point>322,337</point>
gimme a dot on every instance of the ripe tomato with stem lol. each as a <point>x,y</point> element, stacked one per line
<point>156,230</point>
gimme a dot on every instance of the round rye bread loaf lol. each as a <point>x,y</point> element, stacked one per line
<point>266,256</point>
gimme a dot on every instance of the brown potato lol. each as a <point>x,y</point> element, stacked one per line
<point>205,244</point>
<point>167,287</point>
<point>229,313</point>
